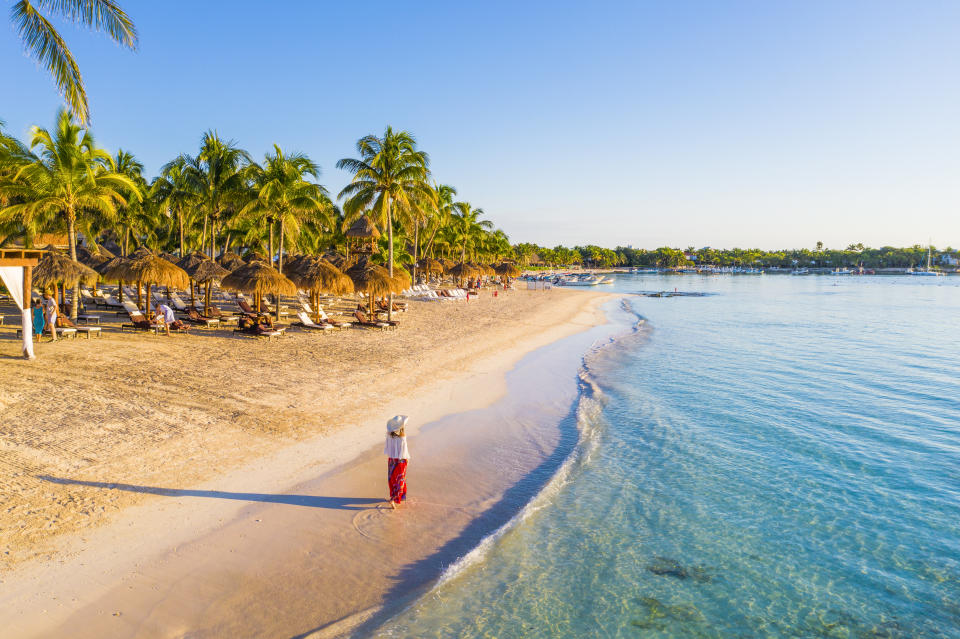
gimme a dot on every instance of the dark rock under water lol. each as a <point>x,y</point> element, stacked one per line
<point>667,567</point>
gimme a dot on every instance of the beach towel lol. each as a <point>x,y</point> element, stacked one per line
<point>397,479</point>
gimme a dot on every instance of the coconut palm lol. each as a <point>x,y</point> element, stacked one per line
<point>69,176</point>
<point>217,177</point>
<point>468,227</point>
<point>390,171</point>
<point>443,209</point>
<point>131,216</point>
<point>284,194</point>
<point>44,44</point>
<point>171,190</point>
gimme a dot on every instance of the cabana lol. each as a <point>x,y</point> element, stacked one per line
<point>16,271</point>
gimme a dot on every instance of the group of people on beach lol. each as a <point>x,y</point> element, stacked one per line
<point>46,313</point>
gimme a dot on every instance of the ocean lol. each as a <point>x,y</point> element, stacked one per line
<point>779,457</point>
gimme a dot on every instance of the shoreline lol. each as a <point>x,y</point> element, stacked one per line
<point>93,572</point>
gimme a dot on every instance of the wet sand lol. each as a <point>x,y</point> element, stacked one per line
<point>244,554</point>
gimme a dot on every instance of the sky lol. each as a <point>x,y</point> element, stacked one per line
<point>678,123</point>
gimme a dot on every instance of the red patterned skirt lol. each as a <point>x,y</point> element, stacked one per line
<point>397,479</point>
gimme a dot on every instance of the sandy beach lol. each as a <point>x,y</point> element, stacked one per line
<point>169,480</point>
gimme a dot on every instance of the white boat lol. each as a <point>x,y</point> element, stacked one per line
<point>841,271</point>
<point>639,271</point>
<point>928,272</point>
<point>800,271</point>
<point>582,280</point>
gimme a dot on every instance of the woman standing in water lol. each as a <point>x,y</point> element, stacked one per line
<point>397,456</point>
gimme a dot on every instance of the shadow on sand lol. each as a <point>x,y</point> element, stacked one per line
<point>310,501</point>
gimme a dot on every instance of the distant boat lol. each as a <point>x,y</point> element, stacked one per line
<point>841,271</point>
<point>800,271</point>
<point>928,272</point>
<point>640,271</point>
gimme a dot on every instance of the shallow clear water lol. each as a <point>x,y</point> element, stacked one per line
<point>780,458</point>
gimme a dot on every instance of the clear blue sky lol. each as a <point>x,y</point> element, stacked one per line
<point>770,124</point>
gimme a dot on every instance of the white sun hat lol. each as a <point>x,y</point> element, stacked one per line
<point>396,423</point>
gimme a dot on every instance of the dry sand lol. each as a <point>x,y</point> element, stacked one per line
<point>110,450</point>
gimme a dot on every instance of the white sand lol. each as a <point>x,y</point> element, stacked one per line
<point>253,417</point>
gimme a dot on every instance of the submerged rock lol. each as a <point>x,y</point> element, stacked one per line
<point>667,567</point>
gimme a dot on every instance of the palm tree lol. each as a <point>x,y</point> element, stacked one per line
<point>172,191</point>
<point>69,176</point>
<point>390,170</point>
<point>217,177</point>
<point>468,227</point>
<point>286,196</point>
<point>45,45</point>
<point>130,216</point>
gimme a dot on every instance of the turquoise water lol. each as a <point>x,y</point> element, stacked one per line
<point>780,458</point>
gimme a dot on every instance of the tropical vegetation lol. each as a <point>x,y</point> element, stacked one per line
<point>220,201</point>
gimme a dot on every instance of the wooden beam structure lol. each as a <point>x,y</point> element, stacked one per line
<point>19,257</point>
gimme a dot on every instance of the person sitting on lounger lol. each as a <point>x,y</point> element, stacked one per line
<point>168,319</point>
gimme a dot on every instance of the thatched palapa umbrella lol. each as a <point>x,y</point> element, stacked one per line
<point>115,270</point>
<point>507,269</point>
<point>429,265</point>
<point>153,269</point>
<point>230,261</point>
<point>207,272</point>
<point>317,275</point>
<point>373,279</point>
<point>258,278</point>
<point>55,268</point>
<point>462,271</point>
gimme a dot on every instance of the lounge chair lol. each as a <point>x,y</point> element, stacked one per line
<point>139,322</point>
<point>196,318</point>
<point>306,322</point>
<point>253,327</point>
<point>177,302</point>
<point>337,323</point>
<point>65,323</point>
<point>366,323</point>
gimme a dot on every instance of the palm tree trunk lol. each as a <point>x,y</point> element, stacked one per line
<point>72,238</point>
<point>280,251</point>
<point>389,259</point>
<point>180,223</point>
<point>147,305</point>
<point>203,235</point>
<point>416,246</point>
<point>270,239</point>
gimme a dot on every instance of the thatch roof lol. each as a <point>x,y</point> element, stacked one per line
<point>364,228</point>
<point>143,251</point>
<point>153,269</point>
<point>402,278</point>
<point>190,262</point>
<point>317,274</point>
<point>339,260</point>
<point>208,271</point>
<point>254,256</point>
<point>91,259</point>
<point>55,267</point>
<point>258,278</point>
<point>508,269</point>
<point>114,270</point>
<point>373,279</point>
<point>463,270</point>
<point>230,261</point>
<point>429,265</point>
<point>170,257</point>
